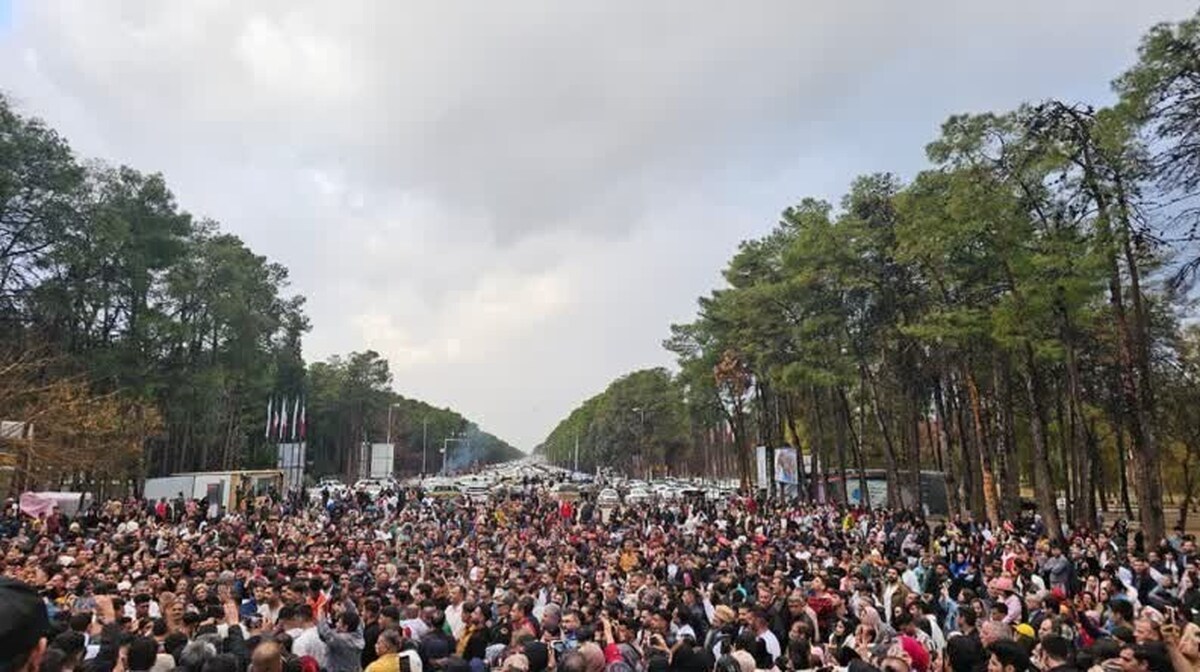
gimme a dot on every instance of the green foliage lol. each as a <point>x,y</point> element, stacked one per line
<point>638,423</point>
<point>1000,298</point>
<point>348,402</point>
<point>102,272</point>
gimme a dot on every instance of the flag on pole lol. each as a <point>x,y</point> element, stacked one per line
<point>303,421</point>
<point>275,421</point>
<point>270,403</point>
<point>295,418</point>
<point>283,421</point>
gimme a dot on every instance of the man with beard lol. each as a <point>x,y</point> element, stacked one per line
<point>473,643</point>
<point>894,592</point>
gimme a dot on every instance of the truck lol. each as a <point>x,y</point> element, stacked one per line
<point>219,487</point>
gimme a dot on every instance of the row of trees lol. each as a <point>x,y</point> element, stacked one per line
<point>639,423</point>
<point>351,401</point>
<point>1014,315</point>
<point>107,283</point>
<point>136,334</point>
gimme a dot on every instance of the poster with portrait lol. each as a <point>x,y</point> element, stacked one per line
<point>785,466</point>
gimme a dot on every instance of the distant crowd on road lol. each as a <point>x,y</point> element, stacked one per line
<point>525,583</point>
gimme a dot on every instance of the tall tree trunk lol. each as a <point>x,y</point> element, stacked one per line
<point>951,468</point>
<point>1041,462</point>
<point>1087,473</point>
<point>1189,482</point>
<point>991,504</point>
<point>973,473</point>
<point>1133,347</point>
<point>839,432</point>
<point>914,438</point>
<point>889,447</point>
<point>1064,455</point>
<point>1099,487</point>
<point>1006,447</point>
<point>1123,471</point>
<point>1149,457</point>
<point>856,443</point>
<point>818,441</point>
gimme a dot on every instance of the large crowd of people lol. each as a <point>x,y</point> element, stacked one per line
<point>406,582</point>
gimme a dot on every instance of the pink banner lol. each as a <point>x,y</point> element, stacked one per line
<point>33,504</point>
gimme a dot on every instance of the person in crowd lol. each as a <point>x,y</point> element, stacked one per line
<point>403,581</point>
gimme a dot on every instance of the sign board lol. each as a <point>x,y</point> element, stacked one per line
<point>292,462</point>
<point>785,466</point>
<point>876,492</point>
<point>383,459</point>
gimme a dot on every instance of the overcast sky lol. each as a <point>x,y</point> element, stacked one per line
<point>511,201</point>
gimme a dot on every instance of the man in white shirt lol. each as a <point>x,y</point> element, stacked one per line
<point>454,615</point>
<point>414,626</point>
<point>306,639</point>
<point>270,601</point>
<point>142,606</point>
<point>762,630</point>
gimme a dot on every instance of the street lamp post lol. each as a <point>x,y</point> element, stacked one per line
<point>424,445</point>
<point>389,422</point>
<point>389,435</point>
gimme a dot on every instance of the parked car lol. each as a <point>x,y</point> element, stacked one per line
<point>327,484</point>
<point>371,486</point>
<point>565,492</point>
<point>608,499</point>
<point>476,492</point>
<point>638,496</point>
<point>443,491</point>
<point>666,492</point>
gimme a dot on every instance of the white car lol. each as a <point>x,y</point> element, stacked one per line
<point>371,486</point>
<point>330,484</point>
<point>476,492</point>
<point>666,492</point>
<point>443,491</point>
<point>638,496</point>
<point>565,492</point>
<point>608,499</point>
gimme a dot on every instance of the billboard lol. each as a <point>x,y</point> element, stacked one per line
<point>786,469</point>
<point>383,459</point>
<point>292,463</point>
<point>785,466</point>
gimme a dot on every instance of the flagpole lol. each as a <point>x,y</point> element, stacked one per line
<point>283,422</point>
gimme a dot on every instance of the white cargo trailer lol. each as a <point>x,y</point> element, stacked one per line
<point>220,487</point>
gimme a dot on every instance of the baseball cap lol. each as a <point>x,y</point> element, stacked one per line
<point>23,623</point>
